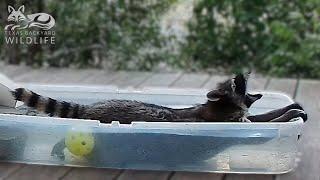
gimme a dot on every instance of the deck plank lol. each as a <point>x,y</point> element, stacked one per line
<point>34,172</point>
<point>191,81</point>
<point>308,94</point>
<point>161,80</point>
<point>143,175</point>
<point>91,173</point>
<point>130,79</point>
<point>69,76</point>
<point>13,71</point>
<point>6,169</point>
<point>196,176</point>
<point>257,83</point>
<point>100,77</point>
<point>308,168</point>
<point>56,76</point>
<point>287,86</point>
<point>32,76</point>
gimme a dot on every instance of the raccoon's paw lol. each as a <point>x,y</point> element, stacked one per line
<point>304,116</point>
<point>244,119</point>
<point>291,114</point>
<point>295,106</point>
<point>295,113</point>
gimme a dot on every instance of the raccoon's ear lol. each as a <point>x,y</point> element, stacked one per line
<point>241,83</point>
<point>251,98</point>
<point>21,9</point>
<point>215,95</point>
<point>10,9</point>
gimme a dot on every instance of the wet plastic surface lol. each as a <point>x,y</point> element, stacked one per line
<point>268,148</point>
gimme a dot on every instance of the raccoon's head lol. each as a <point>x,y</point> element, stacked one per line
<point>234,91</point>
<point>231,98</point>
<point>16,16</point>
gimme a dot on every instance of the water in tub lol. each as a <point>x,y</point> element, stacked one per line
<point>224,152</point>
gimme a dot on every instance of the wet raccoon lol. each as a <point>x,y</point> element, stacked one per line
<point>228,102</point>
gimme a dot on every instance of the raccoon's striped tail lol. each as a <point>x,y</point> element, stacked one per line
<point>48,105</point>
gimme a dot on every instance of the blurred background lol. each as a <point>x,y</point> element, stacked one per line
<point>279,38</point>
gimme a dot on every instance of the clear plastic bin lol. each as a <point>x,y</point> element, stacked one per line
<point>265,148</point>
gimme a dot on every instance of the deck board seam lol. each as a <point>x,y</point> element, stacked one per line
<point>224,176</point>
<point>115,78</point>
<point>65,174</point>
<point>177,79</point>
<point>119,174</point>
<point>266,85</point>
<point>205,82</point>
<point>295,92</point>
<point>144,80</point>
<point>171,174</point>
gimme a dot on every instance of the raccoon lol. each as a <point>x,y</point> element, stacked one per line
<point>228,102</point>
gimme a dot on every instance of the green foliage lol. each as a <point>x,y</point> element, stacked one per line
<point>123,34</point>
<point>277,37</point>
<point>115,31</point>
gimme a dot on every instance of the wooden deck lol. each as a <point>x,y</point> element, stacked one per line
<point>305,91</point>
